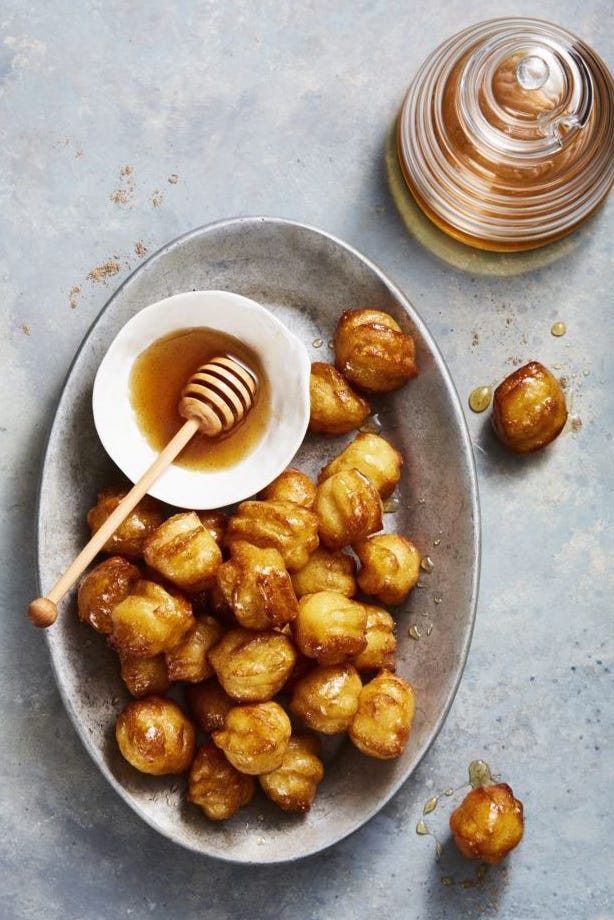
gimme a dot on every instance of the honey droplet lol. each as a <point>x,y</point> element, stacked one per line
<point>430,805</point>
<point>480,399</point>
<point>317,343</point>
<point>558,329</point>
<point>480,774</point>
<point>438,599</point>
<point>421,828</point>
<point>414,632</point>
<point>372,425</point>
<point>447,880</point>
<point>391,504</point>
<point>427,564</point>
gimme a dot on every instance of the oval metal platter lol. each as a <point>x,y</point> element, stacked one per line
<point>307,278</point>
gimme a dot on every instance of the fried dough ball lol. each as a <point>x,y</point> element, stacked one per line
<point>326,699</point>
<point>257,587</point>
<point>281,525</point>
<point>129,538</point>
<point>188,659</point>
<point>374,457</point>
<point>208,704</point>
<point>145,676</point>
<point>184,552</point>
<point>149,620</point>
<point>294,783</point>
<point>326,571</point>
<point>215,522</point>
<point>216,786</point>
<point>529,409</point>
<point>349,508</point>
<point>382,723</point>
<point>330,627</point>
<point>102,588</point>
<point>335,407</point>
<point>291,486</point>
<point>252,666</point>
<point>488,823</point>
<point>372,352</point>
<point>155,736</point>
<point>381,641</point>
<point>390,567</point>
<point>255,737</point>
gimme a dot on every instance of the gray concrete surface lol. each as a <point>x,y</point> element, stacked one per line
<point>124,124</point>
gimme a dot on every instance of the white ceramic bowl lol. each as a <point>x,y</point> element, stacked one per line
<point>284,359</point>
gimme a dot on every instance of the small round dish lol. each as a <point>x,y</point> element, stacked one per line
<point>284,360</point>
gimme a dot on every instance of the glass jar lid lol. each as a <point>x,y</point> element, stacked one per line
<point>506,135</point>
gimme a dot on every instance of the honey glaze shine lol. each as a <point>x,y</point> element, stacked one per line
<point>158,377</point>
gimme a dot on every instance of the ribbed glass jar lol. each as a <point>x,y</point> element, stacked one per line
<point>506,135</point>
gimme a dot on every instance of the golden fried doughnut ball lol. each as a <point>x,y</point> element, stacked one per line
<point>390,567</point>
<point>145,676</point>
<point>208,704</point>
<point>184,552</point>
<point>155,736</point>
<point>129,538</point>
<point>488,823</point>
<point>282,525</point>
<point>382,723</point>
<point>255,737</point>
<point>349,508</point>
<point>381,641</point>
<point>529,409</point>
<point>291,486</point>
<point>326,699</point>
<point>216,786</point>
<point>188,659</point>
<point>373,456</point>
<point>330,627</point>
<point>335,407</point>
<point>215,522</point>
<point>252,666</point>
<point>326,571</point>
<point>257,587</point>
<point>294,783</point>
<point>149,620</point>
<point>102,588</point>
<point>372,352</point>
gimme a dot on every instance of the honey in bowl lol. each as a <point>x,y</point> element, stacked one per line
<point>157,379</point>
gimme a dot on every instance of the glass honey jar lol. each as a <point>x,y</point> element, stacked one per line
<point>506,135</point>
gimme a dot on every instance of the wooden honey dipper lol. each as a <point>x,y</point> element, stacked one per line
<point>215,399</point>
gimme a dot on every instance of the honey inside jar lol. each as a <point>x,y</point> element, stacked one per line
<point>158,377</point>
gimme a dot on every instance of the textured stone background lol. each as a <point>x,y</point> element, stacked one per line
<point>124,124</point>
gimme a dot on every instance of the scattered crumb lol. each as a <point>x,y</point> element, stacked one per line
<point>78,154</point>
<point>126,171</point>
<point>140,248</point>
<point>475,339</point>
<point>174,179</point>
<point>576,423</point>
<point>156,198</point>
<point>102,272</point>
<point>26,329</point>
<point>72,297</point>
<point>125,190</point>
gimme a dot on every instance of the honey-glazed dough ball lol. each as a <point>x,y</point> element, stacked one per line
<point>145,676</point>
<point>382,723</point>
<point>129,538</point>
<point>326,571</point>
<point>335,407</point>
<point>488,823</point>
<point>374,457</point>
<point>372,351</point>
<point>529,409</point>
<point>102,588</point>
<point>379,652</point>
<point>257,587</point>
<point>155,736</point>
<point>216,786</point>
<point>208,704</point>
<point>326,699</point>
<point>293,785</point>
<point>390,567</point>
<point>282,525</point>
<point>291,486</point>
<point>215,522</point>
<point>255,737</point>
<point>184,552</point>
<point>252,666</point>
<point>149,620</point>
<point>330,627</point>
<point>349,508</point>
<point>188,659</point>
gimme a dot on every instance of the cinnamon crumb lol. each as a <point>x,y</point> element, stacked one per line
<point>140,248</point>
<point>26,329</point>
<point>125,191</point>
<point>475,339</point>
<point>102,272</point>
<point>156,199</point>
<point>173,179</point>
<point>72,297</point>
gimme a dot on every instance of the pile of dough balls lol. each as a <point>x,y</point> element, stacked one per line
<point>253,620</point>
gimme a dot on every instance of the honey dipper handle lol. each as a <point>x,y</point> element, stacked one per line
<point>43,611</point>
